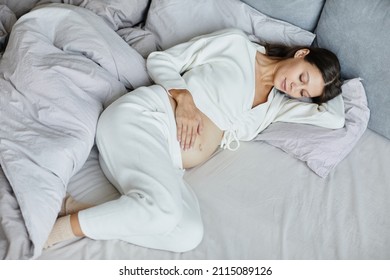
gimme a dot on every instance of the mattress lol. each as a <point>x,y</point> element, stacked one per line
<point>261,203</point>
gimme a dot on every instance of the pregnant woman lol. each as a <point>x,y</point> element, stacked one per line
<point>213,91</point>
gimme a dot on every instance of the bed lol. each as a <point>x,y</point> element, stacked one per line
<point>295,192</point>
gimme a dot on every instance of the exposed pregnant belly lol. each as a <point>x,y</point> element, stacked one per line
<point>205,144</point>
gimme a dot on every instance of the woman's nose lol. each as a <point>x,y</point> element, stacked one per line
<point>296,87</point>
<point>293,85</point>
<point>297,83</point>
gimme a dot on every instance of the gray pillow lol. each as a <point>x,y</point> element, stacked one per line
<point>174,21</point>
<point>322,149</point>
<point>358,31</point>
<point>302,13</point>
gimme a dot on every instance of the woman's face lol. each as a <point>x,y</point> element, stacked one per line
<point>298,78</point>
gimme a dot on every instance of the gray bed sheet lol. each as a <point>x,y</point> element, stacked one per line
<point>260,203</point>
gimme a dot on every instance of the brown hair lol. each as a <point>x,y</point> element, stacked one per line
<point>325,60</point>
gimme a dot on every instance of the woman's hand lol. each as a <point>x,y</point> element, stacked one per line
<point>188,118</point>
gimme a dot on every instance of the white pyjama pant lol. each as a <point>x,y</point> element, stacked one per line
<point>140,155</point>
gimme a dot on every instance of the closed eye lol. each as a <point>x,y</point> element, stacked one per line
<point>304,77</point>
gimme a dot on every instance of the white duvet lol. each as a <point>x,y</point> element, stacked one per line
<point>55,79</point>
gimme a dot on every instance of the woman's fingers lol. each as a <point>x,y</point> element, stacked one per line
<point>179,130</point>
<point>188,119</point>
<point>183,135</point>
<point>200,127</point>
<point>187,133</point>
<point>193,137</point>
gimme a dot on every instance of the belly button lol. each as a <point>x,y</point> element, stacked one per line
<point>200,147</point>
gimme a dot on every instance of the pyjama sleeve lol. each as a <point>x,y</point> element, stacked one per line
<point>329,115</point>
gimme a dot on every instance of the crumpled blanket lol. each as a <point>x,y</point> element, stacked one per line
<point>7,20</point>
<point>55,80</point>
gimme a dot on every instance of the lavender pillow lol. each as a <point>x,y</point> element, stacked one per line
<point>321,148</point>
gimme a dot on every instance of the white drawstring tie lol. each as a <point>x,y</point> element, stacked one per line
<point>230,137</point>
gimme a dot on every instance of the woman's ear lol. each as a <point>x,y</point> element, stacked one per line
<point>301,53</point>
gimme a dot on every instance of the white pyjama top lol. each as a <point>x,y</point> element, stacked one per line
<point>219,71</point>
